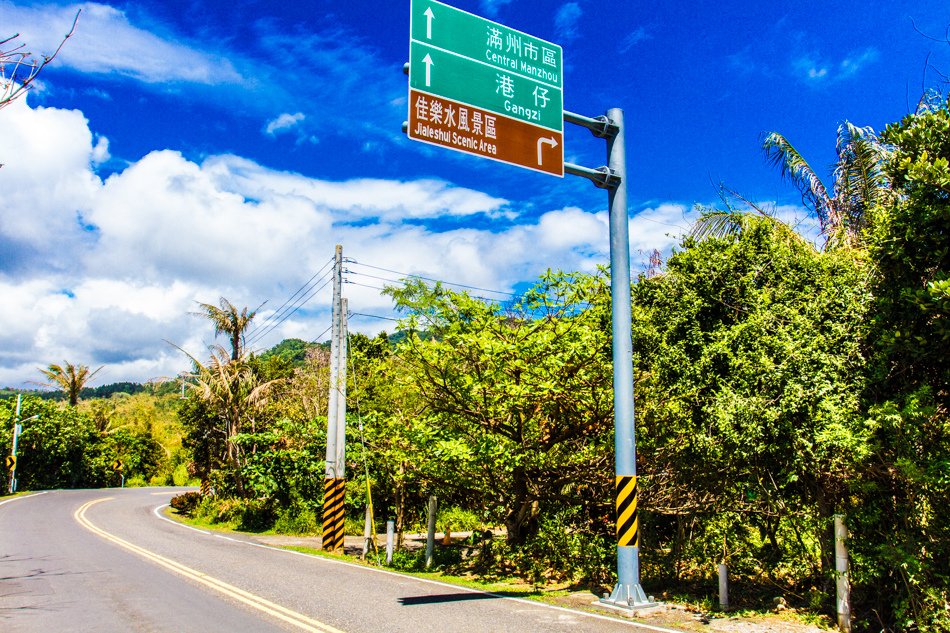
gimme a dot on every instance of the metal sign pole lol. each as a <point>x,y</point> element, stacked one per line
<point>627,593</point>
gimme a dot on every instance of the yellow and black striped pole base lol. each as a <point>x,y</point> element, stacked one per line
<point>628,525</point>
<point>205,487</point>
<point>334,491</point>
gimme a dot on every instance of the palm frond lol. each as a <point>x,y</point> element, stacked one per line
<point>860,179</point>
<point>717,224</point>
<point>782,154</point>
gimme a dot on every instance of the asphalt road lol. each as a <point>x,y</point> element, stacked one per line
<point>106,560</point>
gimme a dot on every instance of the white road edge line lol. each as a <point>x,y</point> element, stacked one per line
<point>429,581</point>
<point>158,512</point>
<point>34,494</point>
<point>294,618</point>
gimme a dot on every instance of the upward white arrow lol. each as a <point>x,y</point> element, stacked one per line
<point>429,17</point>
<point>428,62</point>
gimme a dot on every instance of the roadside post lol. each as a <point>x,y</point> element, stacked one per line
<point>461,63</point>
<point>430,531</point>
<point>390,539</point>
<point>119,467</point>
<point>842,573</point>
<point>11,460</point>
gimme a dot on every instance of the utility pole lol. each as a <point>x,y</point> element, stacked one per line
<point>334,483</point>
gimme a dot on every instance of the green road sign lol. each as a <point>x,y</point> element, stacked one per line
<point>472,67</point>
<point>447,75</point>
<point>466,35</point>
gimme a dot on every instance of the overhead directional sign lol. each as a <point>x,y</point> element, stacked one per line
<point>11,462</point>
<point>479,87</point>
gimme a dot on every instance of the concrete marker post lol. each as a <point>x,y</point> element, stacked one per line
<point>723,587</point>
<point>390,540</point>
<point>842,581</point>
<point>430,534</point>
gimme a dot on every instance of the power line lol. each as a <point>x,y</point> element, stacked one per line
<point>401,282</point>
<point>303,289</point>
<point>374,316</point>
<point>289,313</point>
<point>441,281</point>
<point>356,283</point>
<point>319,336</point>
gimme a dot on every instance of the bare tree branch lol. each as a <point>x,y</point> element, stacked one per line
<point>15,81</point>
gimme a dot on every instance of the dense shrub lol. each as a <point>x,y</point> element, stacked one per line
<point>186,503</point>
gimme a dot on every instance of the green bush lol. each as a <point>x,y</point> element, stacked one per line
<point>136,481</point>
<point>458,520</point>
<point>180,476</point>
<point>297,520</point>
<point>256,515</point>
<point>186,503</point>
<point>560,551</point>
<point>405,560</point>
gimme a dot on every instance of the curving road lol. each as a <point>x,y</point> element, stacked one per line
<point>106,560</point>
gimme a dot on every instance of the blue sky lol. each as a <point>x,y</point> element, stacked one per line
<point>180,151</point>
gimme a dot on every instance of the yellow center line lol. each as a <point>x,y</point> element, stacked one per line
<point>287,615</point>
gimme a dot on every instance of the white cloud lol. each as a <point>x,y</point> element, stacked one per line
<point>491,7</point>
<point>47,183</point>
<point>167,232</point>
<point>815,69</point>
<point>105,41</point>
<point>634,37</point>
<point>356,199</point>
<point>283,123</point>
<point>566,20</point>
<point>855,62</point>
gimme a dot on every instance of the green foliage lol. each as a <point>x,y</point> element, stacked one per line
<point>285,464</point>
<point>63,448</point>
<point>292,351</point>
<point>561,551</point>
<point>298,520</point>
<point>749,376</point>
<point>518,398</point>
<point>458,520</point>
<point>902,530</point>
<point>186,503</point>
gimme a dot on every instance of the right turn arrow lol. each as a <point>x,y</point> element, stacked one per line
<point>550,142</point>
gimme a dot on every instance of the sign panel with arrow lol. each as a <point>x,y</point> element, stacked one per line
<point>479,87</point>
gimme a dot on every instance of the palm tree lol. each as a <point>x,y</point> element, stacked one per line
<point>859,181</point>
<point>70,378</point>
<point>233,391</point>
<point>227,320</point>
